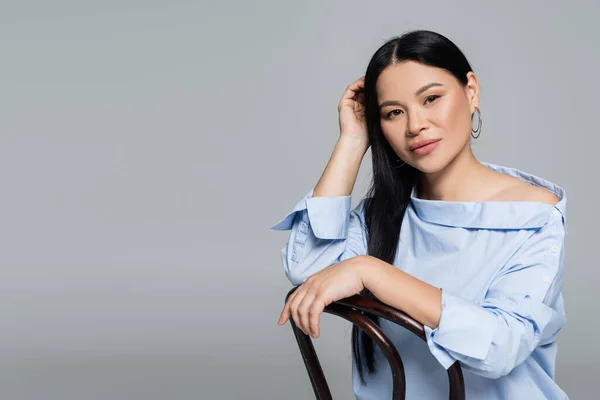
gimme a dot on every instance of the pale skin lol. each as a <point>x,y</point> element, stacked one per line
<point>417,102</point>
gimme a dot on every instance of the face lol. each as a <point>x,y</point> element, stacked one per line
<point>420,104</point>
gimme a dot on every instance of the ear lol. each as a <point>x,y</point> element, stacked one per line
<point>472,91</point>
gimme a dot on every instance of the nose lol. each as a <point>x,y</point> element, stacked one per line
<point>416,122</point>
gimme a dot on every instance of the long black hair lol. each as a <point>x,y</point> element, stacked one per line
<point>389,194</point>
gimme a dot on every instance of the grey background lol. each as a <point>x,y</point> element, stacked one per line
<point>146,148</point>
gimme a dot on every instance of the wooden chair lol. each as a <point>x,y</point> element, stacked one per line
<point>353,309</point>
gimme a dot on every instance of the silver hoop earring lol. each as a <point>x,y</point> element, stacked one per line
<point>479,124</point>
<point>401,165</point>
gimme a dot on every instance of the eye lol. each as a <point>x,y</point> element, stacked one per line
<point>431,98</point>
<point>393,113</point>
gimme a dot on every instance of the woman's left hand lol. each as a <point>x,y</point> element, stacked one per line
<point>333,283</point>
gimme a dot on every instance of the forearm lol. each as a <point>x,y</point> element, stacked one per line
<point>400,290</point>
<point>490,337</point>
<point>340,174</point>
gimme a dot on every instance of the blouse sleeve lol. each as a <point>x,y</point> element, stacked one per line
<point>324,231</point>
<point>521,310</point>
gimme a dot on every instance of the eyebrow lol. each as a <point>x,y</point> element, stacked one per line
<point>418,92</point>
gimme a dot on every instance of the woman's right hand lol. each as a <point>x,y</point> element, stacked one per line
<point>351,110</point>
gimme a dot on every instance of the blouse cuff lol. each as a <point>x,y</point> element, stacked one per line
<point>329,217</point>
<point>465,329</point>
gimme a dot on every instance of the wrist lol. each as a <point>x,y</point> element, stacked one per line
<point>369,268</point>
<point>354,143</point>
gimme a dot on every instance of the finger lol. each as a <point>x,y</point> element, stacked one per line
<point>359,83</point>
<point>314,316</point>
<point>294,308</point>
<point>360,98</point>
<point>303,309</point>
<point>354,88</point>
<point>285,313</point>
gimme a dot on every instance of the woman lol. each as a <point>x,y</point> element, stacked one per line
<point>471,250</point>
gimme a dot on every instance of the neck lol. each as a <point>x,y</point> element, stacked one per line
<point>456,181</point>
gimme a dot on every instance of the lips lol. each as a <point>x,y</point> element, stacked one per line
<point>423,143</point>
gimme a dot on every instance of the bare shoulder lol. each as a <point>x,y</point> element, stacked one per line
<point>519,190</point>
<point>543,195</point>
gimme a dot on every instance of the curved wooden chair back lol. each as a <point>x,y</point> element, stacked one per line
<point>353,309</point>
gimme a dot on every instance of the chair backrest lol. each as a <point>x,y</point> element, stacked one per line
<point>353,309</point>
